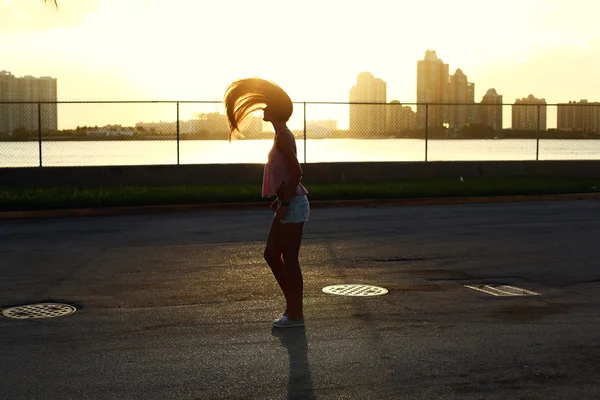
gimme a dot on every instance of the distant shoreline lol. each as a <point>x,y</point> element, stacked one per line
<point>500,136</point>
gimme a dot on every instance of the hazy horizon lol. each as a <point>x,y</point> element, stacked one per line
<point>183,50</point>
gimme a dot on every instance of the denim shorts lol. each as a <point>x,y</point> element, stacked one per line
<point>297,211</point>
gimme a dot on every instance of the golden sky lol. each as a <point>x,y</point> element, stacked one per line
<point>191,49</point>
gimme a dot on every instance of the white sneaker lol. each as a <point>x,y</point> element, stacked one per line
<point>284,322</point>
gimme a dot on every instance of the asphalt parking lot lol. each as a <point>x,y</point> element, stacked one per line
<point>178,306</point>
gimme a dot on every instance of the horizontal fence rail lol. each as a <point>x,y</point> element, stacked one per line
<point>113,133</point>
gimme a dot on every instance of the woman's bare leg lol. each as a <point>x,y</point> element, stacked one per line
<point>273,256</point>
<point>281,253</point>
<point>292,238</point>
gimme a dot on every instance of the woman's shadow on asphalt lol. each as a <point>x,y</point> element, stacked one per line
<point>299,380</point>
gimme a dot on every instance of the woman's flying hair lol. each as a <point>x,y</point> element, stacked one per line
<point>244,96</point>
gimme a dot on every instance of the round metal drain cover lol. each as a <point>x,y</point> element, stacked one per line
<point>42,310</point>
<point>355,290</point>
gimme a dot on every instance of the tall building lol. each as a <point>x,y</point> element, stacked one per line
<point>491,112</point>
<point>368,118</point>
<point>578,116</point>
<point>7,93</point>
<point>436,85</point>
<point>525,114</point>
<point>27,89</point>
<point>462,92</point>
<point>400,118</point>
<point>433,86</point>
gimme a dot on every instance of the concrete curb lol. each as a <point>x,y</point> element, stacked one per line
<point>147,210</point>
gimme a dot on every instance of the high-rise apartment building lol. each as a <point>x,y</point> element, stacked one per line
<point>490,113</point>
<point>400,118</point>
<point>7,89</point>
<point>436,85</point>
<point>27,89</point>
<point>529,114</point>
<point>368,118</point>
<point>461,92</point>
<point>433,86</point>
<point>578,116</point>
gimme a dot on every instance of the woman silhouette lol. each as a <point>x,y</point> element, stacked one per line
<point>282,175</point>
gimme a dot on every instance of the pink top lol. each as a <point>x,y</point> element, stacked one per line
<point>277,171</point>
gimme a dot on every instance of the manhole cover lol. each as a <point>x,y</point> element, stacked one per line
<point>502,290</point>
<point>42,310</point>
<point>355,290</point>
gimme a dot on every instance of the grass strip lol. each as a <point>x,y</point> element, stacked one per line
<point>19,199</point>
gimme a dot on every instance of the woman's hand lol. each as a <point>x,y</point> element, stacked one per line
<point>280,213</point>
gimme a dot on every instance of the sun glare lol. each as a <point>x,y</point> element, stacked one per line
<point>183,50</point>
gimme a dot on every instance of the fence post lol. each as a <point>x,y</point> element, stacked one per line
<point>426,129</point>
<point>39,112</point>
<point>177,133</point>
<point>304,132</point>
<point>537,136</point>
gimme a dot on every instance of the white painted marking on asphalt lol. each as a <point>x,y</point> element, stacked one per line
<point>503,290</point>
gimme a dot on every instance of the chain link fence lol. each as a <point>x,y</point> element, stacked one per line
<point>47,134</point>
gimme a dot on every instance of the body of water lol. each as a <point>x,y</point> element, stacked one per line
<point>107,153</point>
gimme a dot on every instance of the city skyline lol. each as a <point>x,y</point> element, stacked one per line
<point>150,49</point>
<point>157,50</point>
<point>434,85</point>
